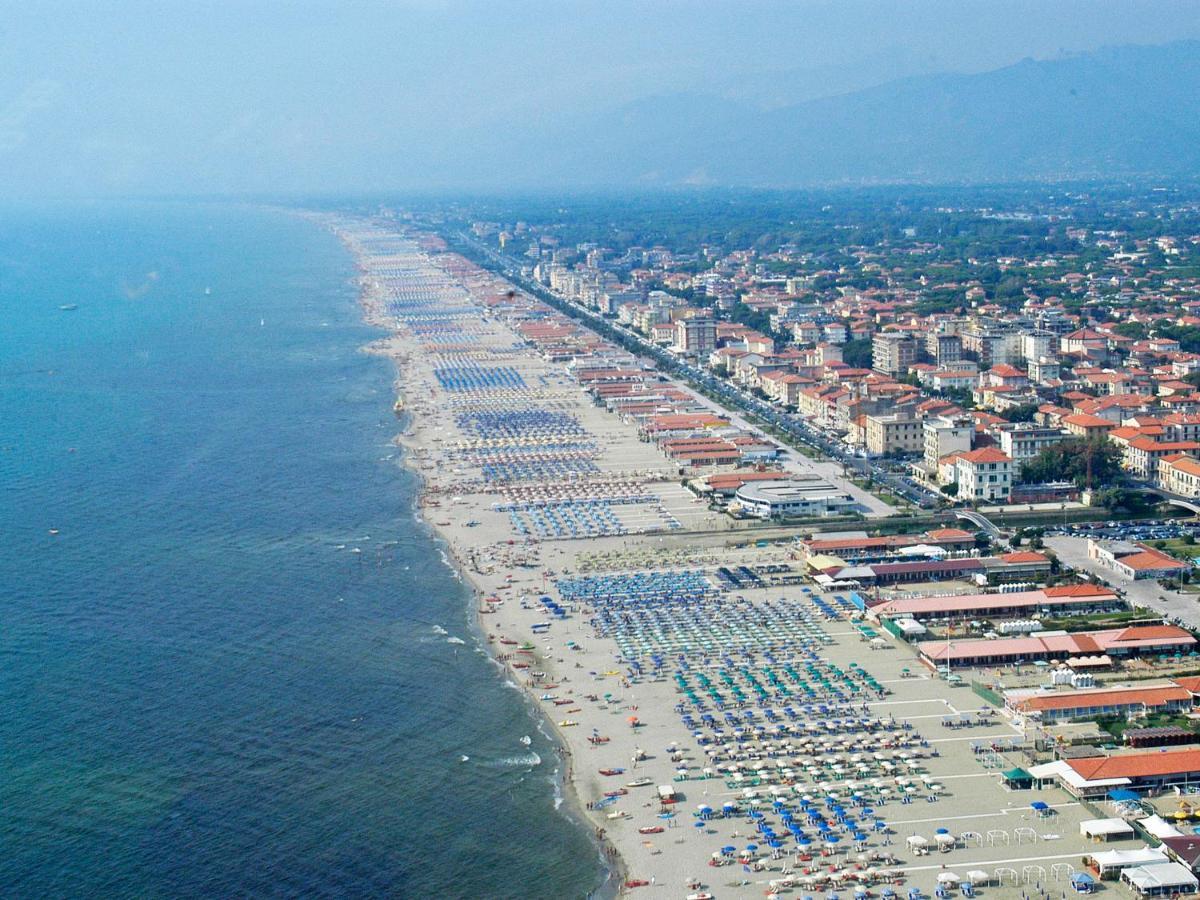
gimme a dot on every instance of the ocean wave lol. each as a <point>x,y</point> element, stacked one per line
<point>455,640</point>
<point>438,629</point>
<point>522,760</point>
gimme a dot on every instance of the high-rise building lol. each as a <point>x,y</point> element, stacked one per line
<point>893,353</point>
<point>696,335</point>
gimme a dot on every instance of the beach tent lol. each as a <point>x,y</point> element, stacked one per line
<point>1083,883</point>
<point>1106,829</point>
<point>1159,827</point>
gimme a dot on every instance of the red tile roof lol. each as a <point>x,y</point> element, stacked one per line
<point>1137,765</point>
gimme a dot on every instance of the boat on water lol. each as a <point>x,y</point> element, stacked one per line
<point>69,307</point>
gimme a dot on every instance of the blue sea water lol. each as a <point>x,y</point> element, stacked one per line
<point>200,694</point>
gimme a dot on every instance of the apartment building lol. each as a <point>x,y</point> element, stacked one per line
<point>943,436</point>
<point>1025,441</point>
<point>893,434</point>
<point>892,352</point>
<point>1179,474</point>
<point>696,335</point>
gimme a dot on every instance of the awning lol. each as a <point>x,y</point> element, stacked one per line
<point>1120,859</point>
<point>1105,828</point>
<point>1017,774</point>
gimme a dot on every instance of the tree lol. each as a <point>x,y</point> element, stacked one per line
<point>1087,463</point>
<point>950,490</point>
<point>1135,330</point>
<point>857,353</point>
<point>1023,412</point>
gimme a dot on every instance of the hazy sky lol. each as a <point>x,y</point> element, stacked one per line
<point>195,97</point>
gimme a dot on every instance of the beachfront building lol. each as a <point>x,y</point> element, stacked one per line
<point>906,569</point>
<point>1093,777</point>
<point>984,475</point>
<point>861,547</point>
<point>1074,599</point>
<point>794,497</point>
<point>1126,702</point>
<point>1134,561</point>
<point>1118,642</point>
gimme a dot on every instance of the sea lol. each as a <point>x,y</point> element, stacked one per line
<point>233,663</point>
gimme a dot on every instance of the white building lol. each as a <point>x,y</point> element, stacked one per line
<point>796,497</point>
<point>1025,441</point>
<point>944,436</point>
<point>984,475</point>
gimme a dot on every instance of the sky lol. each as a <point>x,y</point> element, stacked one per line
<point>174,97</point>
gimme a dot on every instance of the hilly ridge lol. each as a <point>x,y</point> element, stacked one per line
<point>1125,111</point>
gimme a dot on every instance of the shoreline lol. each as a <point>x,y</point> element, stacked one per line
<point>564,784</point>
<point>720,727</point>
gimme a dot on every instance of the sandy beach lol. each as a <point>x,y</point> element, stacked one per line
<point>723,732</point>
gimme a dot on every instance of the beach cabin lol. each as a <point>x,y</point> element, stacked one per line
<point>666,794</point>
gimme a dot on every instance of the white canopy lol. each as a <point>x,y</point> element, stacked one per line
<point>1105,828</point>
<point>1163,877</point>
<point>1121,859</point>
<point>1159,827</point>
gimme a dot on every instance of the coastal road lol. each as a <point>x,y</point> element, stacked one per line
<point>1072,551</point>
<point>738,400</point>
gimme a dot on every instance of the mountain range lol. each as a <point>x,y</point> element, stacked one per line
<point>1131,111</point>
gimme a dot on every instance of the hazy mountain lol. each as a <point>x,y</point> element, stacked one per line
<point>1120,111</point>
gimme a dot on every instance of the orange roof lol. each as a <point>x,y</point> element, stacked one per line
<point>1148,560</point>
<point>1024,556</point>
<point>1076,590</point>
<point>1083,420</point>
<point>1184,464</point>
<point>1137,765</point>
<point>1004,370</point>
<point>1150,696</point>
<point>943,534</point>
<point>986,455</point>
